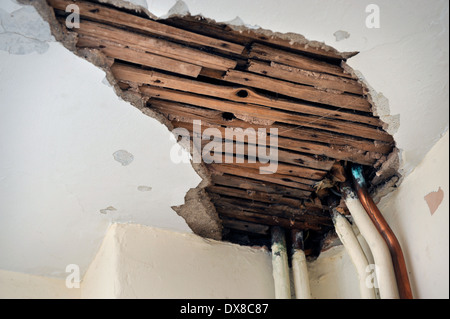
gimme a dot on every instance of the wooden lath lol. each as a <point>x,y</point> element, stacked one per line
<point>192,69</point>
<point>245,36</point>
<point>116,17</point>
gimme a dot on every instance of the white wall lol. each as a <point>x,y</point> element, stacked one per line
<point>14,285</point>
<point>423,236</point>
<point>146,262</point>
<point>61,186</point>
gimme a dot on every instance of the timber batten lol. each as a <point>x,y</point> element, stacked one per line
<point>187,69</point>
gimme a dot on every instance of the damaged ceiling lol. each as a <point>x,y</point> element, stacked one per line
<point>187,68</point>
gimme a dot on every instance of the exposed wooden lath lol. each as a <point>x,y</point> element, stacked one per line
<point>192,69</point>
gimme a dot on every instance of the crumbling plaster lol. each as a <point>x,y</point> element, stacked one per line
<point>61,185</point>
<point>405,62</point>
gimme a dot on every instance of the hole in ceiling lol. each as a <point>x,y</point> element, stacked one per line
<point>228,116</point>
<point>199,70</point>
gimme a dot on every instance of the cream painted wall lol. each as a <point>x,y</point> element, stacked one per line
<point>333,276</point>
<point>136,261</point>
<point>14,285</point>
<point>424,237</point>
<point>146,262</point>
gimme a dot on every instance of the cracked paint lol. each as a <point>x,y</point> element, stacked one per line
<point>23,31</point>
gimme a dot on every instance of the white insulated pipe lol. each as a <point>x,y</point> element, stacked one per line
<point>350,241</point>
<point>384,269</point>
<point>280,264</point>
<point>299,267</point>
<point>300,274</point>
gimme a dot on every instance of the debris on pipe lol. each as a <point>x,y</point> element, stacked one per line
<point>398,260</point>
<point>383,270</point>
<point>350,241</point>
<point>280,264</point>
<point>299,267</point>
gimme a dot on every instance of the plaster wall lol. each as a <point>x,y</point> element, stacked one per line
<point>74,157</point>
<point>61,186</point>
<point>418,213</point>
<point>152,263</point>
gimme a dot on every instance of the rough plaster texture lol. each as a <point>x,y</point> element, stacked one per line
<point>145,262</point>
<point>200,214</point>
<point>58,134</point>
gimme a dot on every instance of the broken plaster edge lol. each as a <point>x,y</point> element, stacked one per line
<point>121,4</point>
<point>209,224</point>
<point>69,39</point>
<point>291,37</point>
<point>388,180</point>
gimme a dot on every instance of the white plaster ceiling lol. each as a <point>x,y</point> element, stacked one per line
<point>60,124</point>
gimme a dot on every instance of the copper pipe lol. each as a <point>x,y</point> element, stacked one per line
<point>398,260</point>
